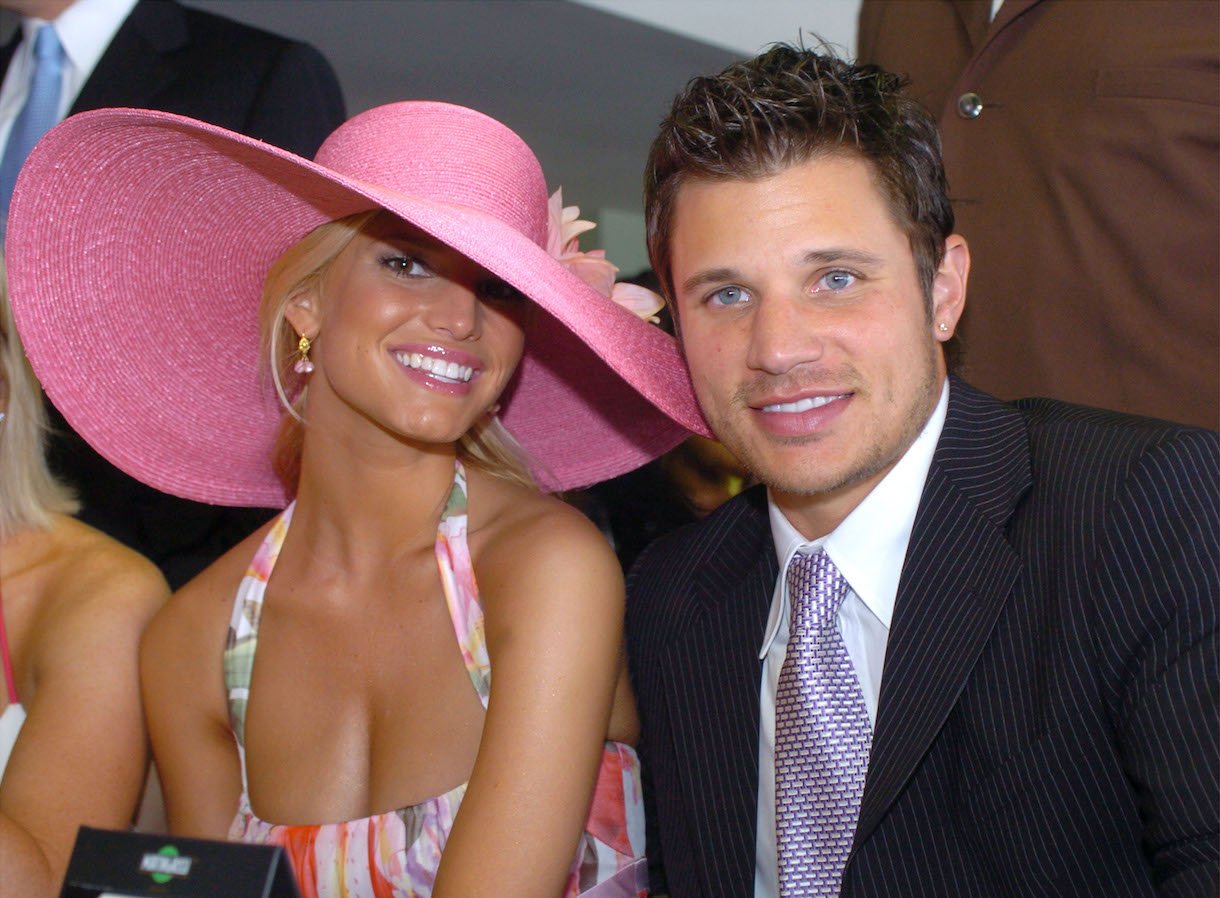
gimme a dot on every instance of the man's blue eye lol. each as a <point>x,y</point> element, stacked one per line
<point>838,280</point>
<point>729,296</point>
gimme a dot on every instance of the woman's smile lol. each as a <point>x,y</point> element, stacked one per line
<point>439,367</point>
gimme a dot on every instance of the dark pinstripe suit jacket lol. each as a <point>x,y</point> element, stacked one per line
<point>1048,715</point>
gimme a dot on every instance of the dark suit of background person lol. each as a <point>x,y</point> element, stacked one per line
<point>1088,184</point>
<point>178,59</point>
<point>1054,631</point>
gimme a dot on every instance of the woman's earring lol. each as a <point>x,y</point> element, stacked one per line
<point>303,364</point>
<point>942,327</point>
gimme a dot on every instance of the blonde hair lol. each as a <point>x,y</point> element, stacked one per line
<point>29,492</point>
<point>487,446</point>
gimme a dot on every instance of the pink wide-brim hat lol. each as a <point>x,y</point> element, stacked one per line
<point>137,247</point>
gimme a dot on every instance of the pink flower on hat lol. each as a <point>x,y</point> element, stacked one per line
<point>564,228</point>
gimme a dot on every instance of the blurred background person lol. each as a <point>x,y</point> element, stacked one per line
<point>1082,146</point>
<point>685,484</point>
<point>73,604</point>
<point>69,56</point>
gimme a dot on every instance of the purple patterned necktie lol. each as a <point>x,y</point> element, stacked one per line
<point>822,736</point>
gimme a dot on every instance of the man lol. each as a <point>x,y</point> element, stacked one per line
<point>158,54</point>
<point>1012,687</point>
<point>1082,146</point>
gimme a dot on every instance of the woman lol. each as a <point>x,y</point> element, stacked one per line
<point>73,603</point>
<point>416,558</point>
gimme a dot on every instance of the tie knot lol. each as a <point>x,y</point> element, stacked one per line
<point>816,589</point>
<point>46,45</point>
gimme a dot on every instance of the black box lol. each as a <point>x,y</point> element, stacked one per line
<point>140,865</point>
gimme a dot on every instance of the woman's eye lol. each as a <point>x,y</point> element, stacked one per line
<point>499,291</point>
<point>836,280</point>
<point>728,296</point>
<point>405,266</point>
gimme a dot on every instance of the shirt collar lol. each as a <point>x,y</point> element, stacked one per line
<point>85,29</point>
<point>870,544</point>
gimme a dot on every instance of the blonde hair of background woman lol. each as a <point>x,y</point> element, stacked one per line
<point>29,492</point>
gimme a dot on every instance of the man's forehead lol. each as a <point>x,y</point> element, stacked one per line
<point>843,181</point>
<point>830,163</point>
<point>842,184</point>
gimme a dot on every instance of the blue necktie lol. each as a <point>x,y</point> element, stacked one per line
<point>37,116</point>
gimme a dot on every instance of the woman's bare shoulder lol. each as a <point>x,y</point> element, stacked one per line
<point>509,517</point>
<point>90,575</point>
<point>530,544</point>
<point>89,597</point>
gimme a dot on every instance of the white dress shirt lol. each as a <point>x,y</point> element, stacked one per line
<point>868,548</point>
<point>85,29</point>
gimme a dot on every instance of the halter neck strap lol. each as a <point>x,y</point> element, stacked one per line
<point>10,681</point>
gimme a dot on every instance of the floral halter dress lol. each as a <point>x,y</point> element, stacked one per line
<point>396,854</point>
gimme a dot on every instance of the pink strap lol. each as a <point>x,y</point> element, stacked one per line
<point>10,681</point>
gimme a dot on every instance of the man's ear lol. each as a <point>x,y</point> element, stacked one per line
<point>303,314</point>
<point>949,287</point>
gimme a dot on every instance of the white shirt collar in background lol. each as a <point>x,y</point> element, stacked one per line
<point>85,29</point>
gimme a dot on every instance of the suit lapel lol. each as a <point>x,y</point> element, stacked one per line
<point>136,66</point>
<point>1010,11</point>
<point>713,678</point>
<point>958,574</point>
<point>976,21</point>
<point>975,17</point>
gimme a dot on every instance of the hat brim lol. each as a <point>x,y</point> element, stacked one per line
<point>137,246</point>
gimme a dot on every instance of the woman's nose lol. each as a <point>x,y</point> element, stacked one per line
<point>457,313</point>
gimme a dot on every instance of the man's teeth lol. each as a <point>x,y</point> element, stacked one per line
<point>438,368</point>
<point>802,405</point>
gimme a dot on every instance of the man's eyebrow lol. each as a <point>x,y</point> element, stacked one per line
<point>832,254</point>
<point>708,276</point>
